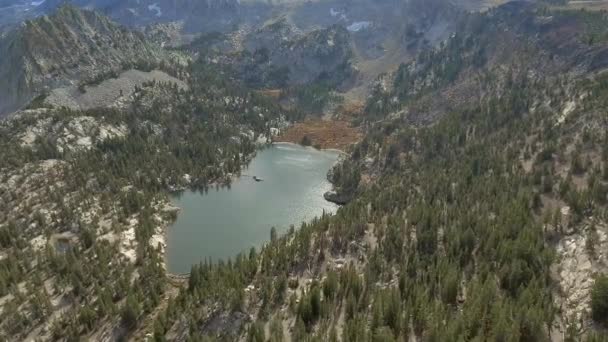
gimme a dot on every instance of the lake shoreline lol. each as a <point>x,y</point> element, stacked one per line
<point>163,230</point>
<point>237,182</point>
<point>288,143</point>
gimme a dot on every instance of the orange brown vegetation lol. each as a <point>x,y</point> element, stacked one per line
<point>324,134</point>
<point>272,93</point>
<point>351,109</point>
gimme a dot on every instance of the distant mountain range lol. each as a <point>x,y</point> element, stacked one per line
<point>85,39</point>
<point>217,15</point>
<point>210,15</point>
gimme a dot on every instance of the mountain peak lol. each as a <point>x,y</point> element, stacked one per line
<point>64,47</point>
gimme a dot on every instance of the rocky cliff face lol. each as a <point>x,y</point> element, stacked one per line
<point>323,53</point>
<point>61,49</point>
<point>279,55</point>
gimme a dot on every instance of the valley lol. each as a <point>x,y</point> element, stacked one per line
<point>471,171</point>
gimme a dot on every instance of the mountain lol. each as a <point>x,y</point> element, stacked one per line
<point>63,48</point>
<point>383,33</point>
<point>516,35</point>
<point>514,97</point>
<point>311,47</point>
<point>474,204</point>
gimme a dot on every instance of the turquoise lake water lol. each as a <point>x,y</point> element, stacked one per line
<point>224,222</point>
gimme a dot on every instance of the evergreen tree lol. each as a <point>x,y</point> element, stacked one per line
<point>599,299</point>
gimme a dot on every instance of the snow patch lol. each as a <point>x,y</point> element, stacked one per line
<point>155,8</point>
<point>358,26</point>
<point>337,14</point>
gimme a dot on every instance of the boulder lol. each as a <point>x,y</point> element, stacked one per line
<point>337,198</point>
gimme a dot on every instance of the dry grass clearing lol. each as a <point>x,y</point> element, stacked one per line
<point>272,93</point>
<point>323,134</point>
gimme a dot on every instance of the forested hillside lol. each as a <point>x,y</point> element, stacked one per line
<point>85,199</point>
<point>478,205</point>
<point>476,201</point>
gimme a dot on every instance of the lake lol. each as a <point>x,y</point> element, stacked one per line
<point>224,222</point>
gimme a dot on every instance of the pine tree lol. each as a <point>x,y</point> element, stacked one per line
<point>130,312</point>
<point>256,332</point>
<point>599,299</point>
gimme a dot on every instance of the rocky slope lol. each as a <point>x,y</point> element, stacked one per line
<point>56,202</point>
<point>477,198</point>
<point>113,92</point>
<point>381,34</point>
<point>323,53</point>
<point>63,48</point>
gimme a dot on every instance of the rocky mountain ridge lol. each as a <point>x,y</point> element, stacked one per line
<point>64,48</point>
